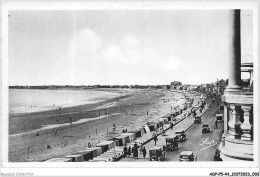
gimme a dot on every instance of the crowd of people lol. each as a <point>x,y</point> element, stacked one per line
<point>133,151</point>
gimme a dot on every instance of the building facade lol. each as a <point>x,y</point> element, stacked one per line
<point>238,138</point>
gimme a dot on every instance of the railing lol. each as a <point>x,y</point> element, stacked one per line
<point>237,141</point>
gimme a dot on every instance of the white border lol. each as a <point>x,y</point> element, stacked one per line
<point>126,5</point>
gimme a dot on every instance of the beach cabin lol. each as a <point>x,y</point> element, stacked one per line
<point>165,120</point>
<point>76,158</point>
<point>146,129</point>
<point>138,132</point>
<point>59,160</point>
<point>168,117</point>
<point>127,138</point>
<point>173,114</point>
<point>105,145</point>
<point>130,135</point>
<point>96,151</point>
<point>161,122</point>
<point>152,127</point>
<point>87,155</point>
<point>120,140</point>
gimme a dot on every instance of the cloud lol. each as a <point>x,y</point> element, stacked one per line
<point>130,43</point>
<point>86,42</point>
<point>173,63</point>
<point>126,51</point>
<point>112,52</point>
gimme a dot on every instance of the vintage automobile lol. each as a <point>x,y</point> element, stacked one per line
<point>157,153</point>
<point>171,143</point>
<point>186,156</point>
<point>197,119</point>
<point>217,156</point>
<point>205,128</point>
<point>180,135</point>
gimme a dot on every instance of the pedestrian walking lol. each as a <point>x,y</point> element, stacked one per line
<point>155,139</point>
<point>171,125</point>
<point>133,150</point>
<point>129,151</point>
<point>136,152</point>
<point>144,152</point>
<point>216,124</point>
<point>125,151</point>
<point>135,145</point>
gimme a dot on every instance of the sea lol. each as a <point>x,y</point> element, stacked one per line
<point>36,100</point>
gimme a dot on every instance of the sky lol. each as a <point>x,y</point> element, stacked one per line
<point>122,46</point>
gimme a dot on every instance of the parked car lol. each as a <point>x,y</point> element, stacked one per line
<point>180,135</point>
<point>197,119</point>
<point>157,153</point>
<point>205,128</point>
<point>171,143</point>
<point>217,156</point>
<point>187,156</point>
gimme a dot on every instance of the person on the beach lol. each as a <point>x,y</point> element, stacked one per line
<point>144,152</point>
<point>89,145</point>
<point>125,151</point>
<point>129,151</point>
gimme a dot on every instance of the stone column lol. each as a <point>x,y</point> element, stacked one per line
<point>234,80</point>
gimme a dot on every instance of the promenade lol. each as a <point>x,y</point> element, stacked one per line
<point>203,145</point>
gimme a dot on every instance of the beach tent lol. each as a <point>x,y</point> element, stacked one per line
<point>131,136</point>
<point>87,155</point>
<point>59,160</point>
<point>96,151</point>
<point>76,158</point>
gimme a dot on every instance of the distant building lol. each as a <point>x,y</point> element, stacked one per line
<point>175,84</point>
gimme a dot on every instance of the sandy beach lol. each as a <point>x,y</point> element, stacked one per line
<point>90,123</point>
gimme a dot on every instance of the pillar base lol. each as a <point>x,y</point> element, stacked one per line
<point>233,90</point>
<point>234,150</point>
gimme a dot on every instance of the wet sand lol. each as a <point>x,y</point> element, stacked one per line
<point>128,111</point>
